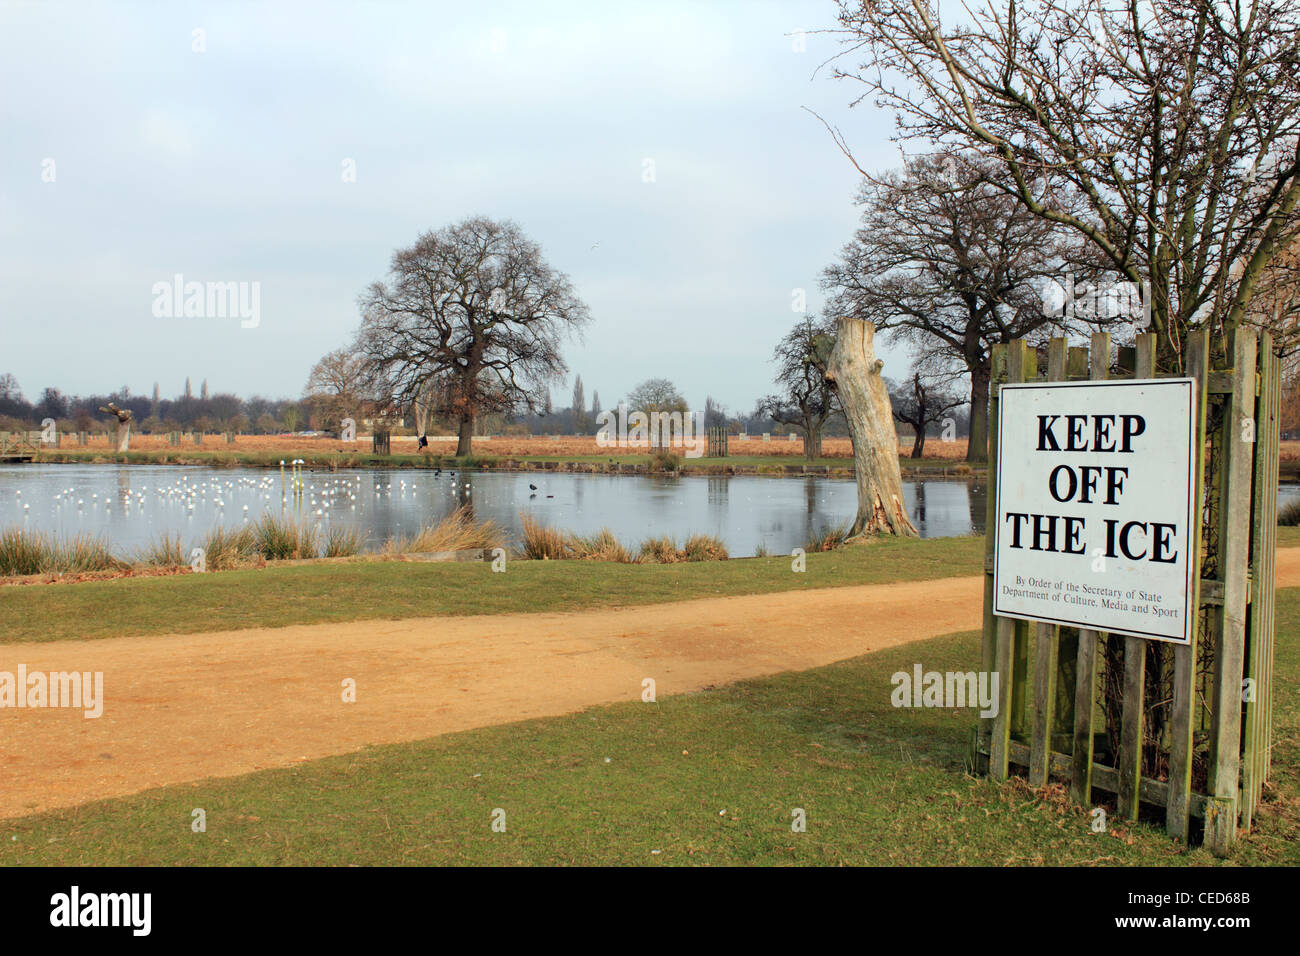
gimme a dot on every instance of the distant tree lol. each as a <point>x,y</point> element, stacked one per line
<point>579,406</point>
<point>920,402</point>
<point>292,418</point>
<point>595,405</point>
<point>189,392</point>
<point>807,399</point>
<point>473,314</point>
<point>334,388</point>
<point>9,387</point>
<point>52,404</point>
<point>715,414</point>
<point>656,395</point>
<point>203,390</point>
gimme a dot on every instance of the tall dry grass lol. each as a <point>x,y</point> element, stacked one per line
<point>456,532</point>
<point>35,552</point>
<point>544,543</point>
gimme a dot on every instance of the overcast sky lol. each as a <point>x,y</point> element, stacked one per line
<point>227,164</point>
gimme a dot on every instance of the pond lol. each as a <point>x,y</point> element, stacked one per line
<point>131,505</point>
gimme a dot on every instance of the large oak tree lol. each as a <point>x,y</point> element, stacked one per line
<point>470,321</point>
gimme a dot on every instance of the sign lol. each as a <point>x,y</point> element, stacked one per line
<point>1095,508</point>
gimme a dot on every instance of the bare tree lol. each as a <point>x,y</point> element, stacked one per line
<point>920,402</point>
<point>945,260</point>
<point>472,316</point>
<point>335,387</point>
<point>1176,123</point>
<point>807,399</point>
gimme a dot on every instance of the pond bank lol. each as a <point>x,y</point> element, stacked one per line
<point>636,465</point>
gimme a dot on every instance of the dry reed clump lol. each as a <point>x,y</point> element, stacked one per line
<point>828,540</point>
<point>32,552</point>
<point>344,542</point>
<point>456,532</point>
<point>544,543</point>
<point>165,551</point>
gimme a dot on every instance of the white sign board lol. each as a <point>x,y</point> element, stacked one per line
<point>1095,505</point>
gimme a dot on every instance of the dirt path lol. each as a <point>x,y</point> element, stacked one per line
<point>188,707</point>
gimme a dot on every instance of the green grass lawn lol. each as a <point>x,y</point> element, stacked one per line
<point>366,590</point>
<point>640,783</point>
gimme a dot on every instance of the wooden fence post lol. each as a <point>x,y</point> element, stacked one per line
<point>1048,638</point>
<point>1132,718</point>
<point>1178,804</point>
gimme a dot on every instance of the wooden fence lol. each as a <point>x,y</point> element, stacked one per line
<point>1186,728</point>
<point>717,442</point>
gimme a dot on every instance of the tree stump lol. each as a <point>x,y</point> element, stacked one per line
<point>854,370</point>
<point>123,425</point>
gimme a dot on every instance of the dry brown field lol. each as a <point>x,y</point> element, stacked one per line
<point>563,446</point>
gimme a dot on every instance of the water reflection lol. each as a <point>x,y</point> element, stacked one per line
<point>132,505</point>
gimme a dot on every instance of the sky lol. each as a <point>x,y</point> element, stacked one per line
<point>660,154</point>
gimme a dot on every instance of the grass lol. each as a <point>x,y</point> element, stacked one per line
<point>280,539</point>
<point>277,596</point>
<point>828,540</point>
<point>456,532</point>
<point>542,542</point>
<point>165,551</point>
<point>1289,514</point>
<point>601,546</point>
<point>343,542</point>
<point>35,552</point>
<point>710,778</point>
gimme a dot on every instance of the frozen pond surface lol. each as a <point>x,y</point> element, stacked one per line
<point>131,505</point>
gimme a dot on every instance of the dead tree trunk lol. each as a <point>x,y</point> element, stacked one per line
<point>855,371</point>
<point>123,425</point>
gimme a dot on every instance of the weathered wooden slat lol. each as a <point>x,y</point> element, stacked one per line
<point>1259,616</point>
<point>1132,717</point>
<point>1063,362</point>
<point>1184,691</point>
<point>1076,364</point>
<point>1220,383</point>
<point>1001,738</point>
<point>1085,699</point>
<point>1022,366</point>
<point>1234,556</point>
<point>1044,702</point>
<point>988,645</point>
<point>1085,688</point>
<point>1131,725</point>
<point>1268,625</point>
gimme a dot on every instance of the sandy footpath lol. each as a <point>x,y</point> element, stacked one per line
<point>186,707</point>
